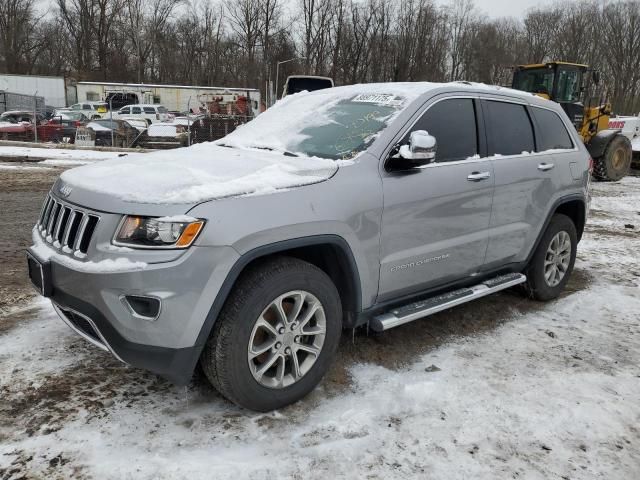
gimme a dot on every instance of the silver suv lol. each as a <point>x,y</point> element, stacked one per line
<point>362,205</point>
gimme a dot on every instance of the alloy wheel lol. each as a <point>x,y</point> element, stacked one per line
<point>557,258</point>
<point>286,339</point>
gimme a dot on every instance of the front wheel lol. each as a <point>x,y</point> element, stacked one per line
<point>615,163</point>
<point>276,335</point>
<point>553,260</point>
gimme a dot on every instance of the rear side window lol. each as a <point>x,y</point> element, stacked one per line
<point>552,133</point>
<point>149,110</point>
<point>510,130</point>
<point>136,110</point>
<point>453,123</point>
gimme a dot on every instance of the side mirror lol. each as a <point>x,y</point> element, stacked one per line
<point>420,151</point>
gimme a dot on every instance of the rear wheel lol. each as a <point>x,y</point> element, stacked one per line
<point>552,262</point>
<point>276,335</point>
<point>616,161</point>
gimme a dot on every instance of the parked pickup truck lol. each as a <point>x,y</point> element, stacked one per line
<point>361,205</point>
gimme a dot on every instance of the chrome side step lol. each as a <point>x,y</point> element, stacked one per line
<point>423,308</point>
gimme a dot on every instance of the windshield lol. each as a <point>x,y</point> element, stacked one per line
<point>541,80</point>
<point>325,125</point>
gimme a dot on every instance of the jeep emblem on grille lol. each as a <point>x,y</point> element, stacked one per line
<point>65,190</point>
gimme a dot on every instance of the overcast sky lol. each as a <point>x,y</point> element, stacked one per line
<point>505,8</point>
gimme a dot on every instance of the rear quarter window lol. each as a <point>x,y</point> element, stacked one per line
<point>149,110</point>
<point>510,130</point>
<point>552,132</point>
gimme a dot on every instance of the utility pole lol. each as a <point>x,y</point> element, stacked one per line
<point>35,116</point>
<point>189,122</point>
<point>111,117</point>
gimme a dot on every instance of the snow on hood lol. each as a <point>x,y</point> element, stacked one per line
<point>198,173</point>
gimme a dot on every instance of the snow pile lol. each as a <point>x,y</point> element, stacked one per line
<point>118,265</point>
<point>58,156</point>
<point>201,172</point>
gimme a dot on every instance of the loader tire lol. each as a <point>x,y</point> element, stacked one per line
<point>614,165</point>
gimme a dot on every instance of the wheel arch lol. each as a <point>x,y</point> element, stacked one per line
<point>330,253</point>
<point>574,207</point>
<point>576,211</point>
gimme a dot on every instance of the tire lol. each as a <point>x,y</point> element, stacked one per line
<point>233,370</point>
<point>615,164</point>
<point>537,286</point>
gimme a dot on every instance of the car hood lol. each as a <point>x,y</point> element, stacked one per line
<point>173,181</point>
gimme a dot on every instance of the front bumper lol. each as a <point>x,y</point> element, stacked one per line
<point>90,302</point>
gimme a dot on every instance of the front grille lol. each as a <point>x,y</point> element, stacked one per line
<point>66,228</point>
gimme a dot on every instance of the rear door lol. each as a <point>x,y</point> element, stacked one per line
<point>435,219</point>
<point>527,175</point>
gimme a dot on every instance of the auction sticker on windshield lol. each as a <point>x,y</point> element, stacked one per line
<point>377,98</point>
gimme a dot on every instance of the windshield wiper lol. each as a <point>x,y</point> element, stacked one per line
<point>284,152</point>
<point>271,149</point>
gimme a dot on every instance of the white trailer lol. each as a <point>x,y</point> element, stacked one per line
<point>179,98</point>
<point>53,89</point>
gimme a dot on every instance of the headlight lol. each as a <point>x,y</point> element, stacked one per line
<point>165,232</point>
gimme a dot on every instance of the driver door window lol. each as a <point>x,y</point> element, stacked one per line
<point>453,123</point>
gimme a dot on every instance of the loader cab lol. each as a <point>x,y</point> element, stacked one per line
<point>557,81</point>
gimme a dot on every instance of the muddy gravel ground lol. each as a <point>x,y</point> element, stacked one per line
<point>23,187</point>
<point>504,387</point>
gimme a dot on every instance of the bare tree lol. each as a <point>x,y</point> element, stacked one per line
<point>17,22</point>
<point>146,23</point>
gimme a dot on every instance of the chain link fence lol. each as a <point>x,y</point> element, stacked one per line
<point>119,132</point>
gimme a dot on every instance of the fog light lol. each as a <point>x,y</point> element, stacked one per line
<point>147,308</point>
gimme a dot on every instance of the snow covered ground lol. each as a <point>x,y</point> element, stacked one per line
<point>57,156</point>
<point>502,388</point>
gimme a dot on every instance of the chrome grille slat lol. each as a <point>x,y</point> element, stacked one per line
<point>64,226</point>
<point>65,221</point>
<point>67,229</point>
<point>58,222</point>
<point>43,210</point>
<point>52,219</point>
<point>80,234</point>
<point>47,214</point>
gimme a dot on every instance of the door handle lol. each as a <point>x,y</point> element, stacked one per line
<point>478,176</point>
<point>544,167</point>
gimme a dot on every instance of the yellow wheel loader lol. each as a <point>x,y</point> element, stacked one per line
<point>576,88</point>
